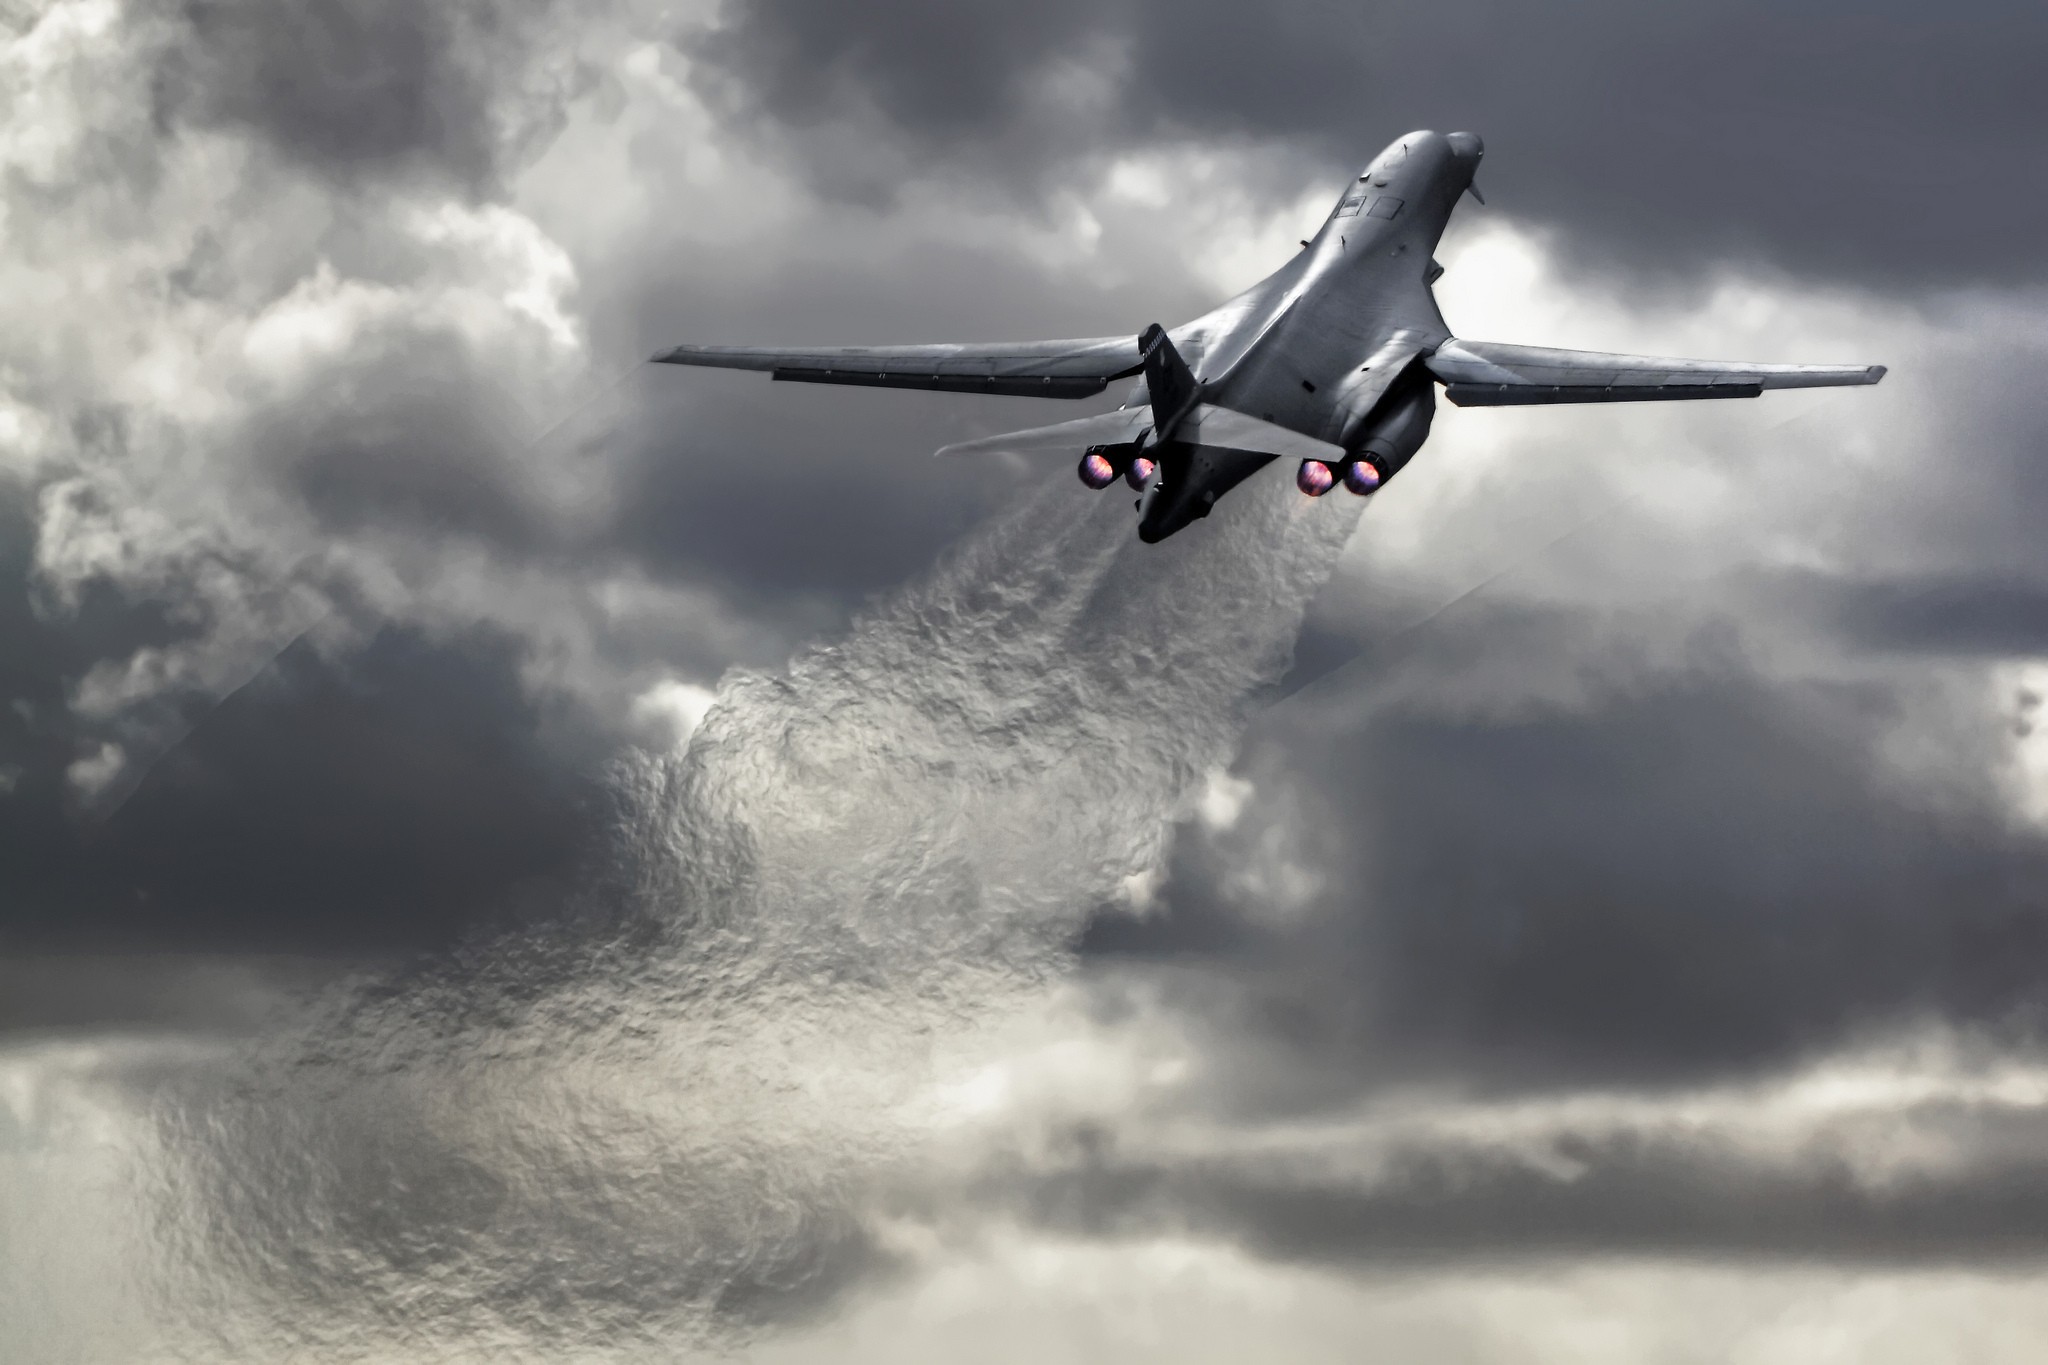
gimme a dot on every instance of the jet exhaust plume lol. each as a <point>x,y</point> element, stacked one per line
<point>674,1116</point>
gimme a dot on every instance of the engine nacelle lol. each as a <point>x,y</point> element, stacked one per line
<point>1392,433</point>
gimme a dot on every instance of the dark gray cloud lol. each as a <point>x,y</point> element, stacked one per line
<point>371,88</point>
<point>1697,1191</point>
<point>384,802</point>
<point>397,438</point>
<point>1998,618</point>
<point>64,991</point>
<point>1876,143</point>
<point>1693,871</point>
<point>924,65</point>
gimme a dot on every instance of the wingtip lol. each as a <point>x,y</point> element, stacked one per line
<point>1875,373</point>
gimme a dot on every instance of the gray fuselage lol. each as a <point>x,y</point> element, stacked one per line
<point>1317,346</point>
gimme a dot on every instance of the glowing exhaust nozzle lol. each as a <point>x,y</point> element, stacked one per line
<point>1362,477</point>
<point>1140,471</point>
<point>1096,470</point>
<point>1314,478</point>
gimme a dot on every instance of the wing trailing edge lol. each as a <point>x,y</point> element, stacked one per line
<point>1496,374</point>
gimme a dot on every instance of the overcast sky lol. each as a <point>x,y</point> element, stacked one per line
<point>509,852</point>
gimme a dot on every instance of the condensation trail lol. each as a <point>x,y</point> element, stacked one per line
<point>664,1122</point>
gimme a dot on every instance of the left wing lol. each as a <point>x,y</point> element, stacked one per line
<point>1030,369</point>
<point>1494,374</point>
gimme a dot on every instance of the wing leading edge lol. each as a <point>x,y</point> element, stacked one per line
<point>1029,369</point>
<point>1495,374</point>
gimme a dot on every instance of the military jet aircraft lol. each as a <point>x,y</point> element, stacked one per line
<point>1332,360</point>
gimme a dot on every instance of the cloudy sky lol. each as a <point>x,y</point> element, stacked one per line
<point>509,854</point>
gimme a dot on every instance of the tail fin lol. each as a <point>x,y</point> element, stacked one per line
<point>1171,384</point>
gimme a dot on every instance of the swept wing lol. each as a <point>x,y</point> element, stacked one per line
<point>1495,374</point>
<point>1030,369</point>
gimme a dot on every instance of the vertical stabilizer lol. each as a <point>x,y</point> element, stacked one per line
<point>1171,384</point>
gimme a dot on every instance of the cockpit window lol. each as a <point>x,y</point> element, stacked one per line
<point>1350,207</point>
<point>1386,206</point>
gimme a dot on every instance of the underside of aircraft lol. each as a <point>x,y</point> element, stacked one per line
<point>1334,360</point>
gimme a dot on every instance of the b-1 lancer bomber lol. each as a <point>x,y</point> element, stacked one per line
<point>1333,360</point>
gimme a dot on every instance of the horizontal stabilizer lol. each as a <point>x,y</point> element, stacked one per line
<point>1209,425</point>
<point>1105,429</point>
<point>1495,374</point>
<point>1028,369</point>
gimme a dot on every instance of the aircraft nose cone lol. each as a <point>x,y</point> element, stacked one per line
<point>1467,146</point>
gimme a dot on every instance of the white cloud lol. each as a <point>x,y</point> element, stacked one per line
<point>91,774</point>
<point>1223,799</point>
<point>2022,688</point>
<point>316,323</point>
<point>1016,1296</point>
<point>673,708</point>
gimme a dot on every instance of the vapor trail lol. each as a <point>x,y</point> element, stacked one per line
<point>670,1118</point>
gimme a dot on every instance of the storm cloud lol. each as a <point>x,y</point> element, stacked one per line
<point>1851,140</point>
<point>504,849</point>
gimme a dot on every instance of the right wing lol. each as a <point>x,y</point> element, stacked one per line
<point>1494,374</point>
<point>1029,369</point>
